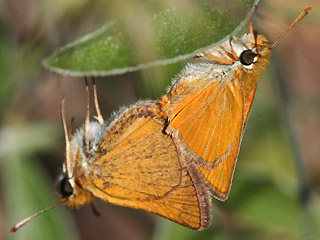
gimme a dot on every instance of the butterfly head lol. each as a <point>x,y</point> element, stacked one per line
<point>69,185</point>
<point>71,191</point>
<point>250,51</point>
<point>81,148</point>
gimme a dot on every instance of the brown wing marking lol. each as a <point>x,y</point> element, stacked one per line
<point>143,171</point>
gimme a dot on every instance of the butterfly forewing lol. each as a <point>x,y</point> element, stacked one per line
<point>211,125</point>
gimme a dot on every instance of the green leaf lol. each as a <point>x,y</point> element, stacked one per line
<point>176,32</point>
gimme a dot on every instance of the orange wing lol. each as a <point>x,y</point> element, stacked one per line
<point>140,168</point>
<point>210,124</point>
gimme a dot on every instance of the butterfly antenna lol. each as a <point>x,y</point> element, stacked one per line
<point>25,221</point>
<point>96,103</point>
<point>67,138</point>
<point>298,19</point>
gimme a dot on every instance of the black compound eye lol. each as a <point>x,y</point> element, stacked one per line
<point>247,57</point>
<point>66,190</point>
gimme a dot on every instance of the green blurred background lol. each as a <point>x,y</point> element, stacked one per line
<point>276,187</point>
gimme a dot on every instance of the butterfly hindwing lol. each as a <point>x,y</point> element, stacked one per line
<point>142,170</point>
